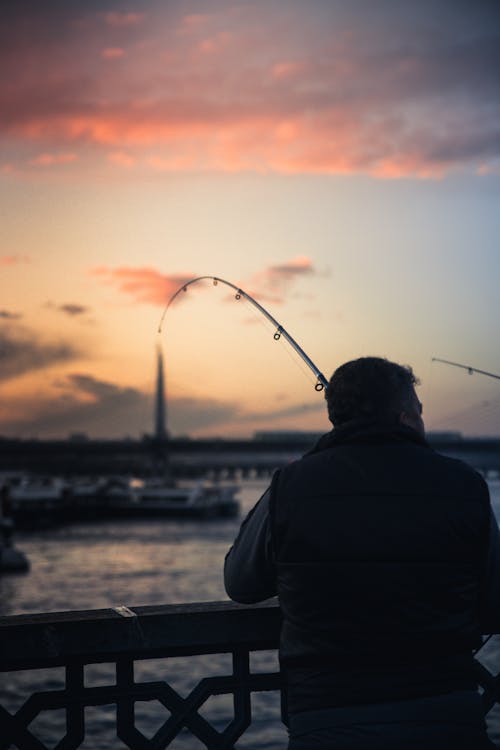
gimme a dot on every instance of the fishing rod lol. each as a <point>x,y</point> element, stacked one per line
<point>322,382</point>
<point>469,369</point>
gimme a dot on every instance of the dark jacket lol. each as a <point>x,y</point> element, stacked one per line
<point>378,549</point>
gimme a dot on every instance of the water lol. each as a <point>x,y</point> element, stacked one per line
<point>142,562</point>
<point>134,562</point>
<point>128,561</point>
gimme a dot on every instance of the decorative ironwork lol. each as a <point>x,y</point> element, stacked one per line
<point>123,636</point>
<point>71,641</point>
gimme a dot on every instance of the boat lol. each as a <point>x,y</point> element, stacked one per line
<point>39,502</point>
<point>159,497</point>
<point>12,560</point>
<point>36,501</point>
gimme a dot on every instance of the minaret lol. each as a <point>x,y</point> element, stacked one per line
<point>160,401</point>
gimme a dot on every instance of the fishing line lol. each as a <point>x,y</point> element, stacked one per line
<point>279,330</point>
<point>428,386</point>
<point>472,370</point>
<point>476,408</point>
<point>265,324</point>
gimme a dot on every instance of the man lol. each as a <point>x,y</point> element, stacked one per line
<point>385,557</point>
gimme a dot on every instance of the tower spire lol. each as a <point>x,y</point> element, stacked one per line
<point>160,401</point>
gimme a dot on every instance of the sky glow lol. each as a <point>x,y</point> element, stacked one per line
<point>338,161</point>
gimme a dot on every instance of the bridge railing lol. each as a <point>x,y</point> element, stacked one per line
<point>124,638</point>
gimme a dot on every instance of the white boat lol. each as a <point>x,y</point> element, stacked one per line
<point>159,497</point>
<point>35,501</point>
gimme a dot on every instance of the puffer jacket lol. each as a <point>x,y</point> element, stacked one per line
<point>380,547</point>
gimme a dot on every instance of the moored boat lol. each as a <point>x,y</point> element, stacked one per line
<point>35,501</point>
<point>11,558</point>
<point>158,497</point>
<point>38,502</point>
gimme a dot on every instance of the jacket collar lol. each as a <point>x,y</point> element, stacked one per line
<point>364,431</point>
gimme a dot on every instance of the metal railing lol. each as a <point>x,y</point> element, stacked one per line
<point>123,638</point>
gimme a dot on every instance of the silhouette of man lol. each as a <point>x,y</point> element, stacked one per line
<point>385,557</point>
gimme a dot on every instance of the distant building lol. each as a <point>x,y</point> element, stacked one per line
<point>288,436</point>
<point>78,437</point>
<point>444,436</point>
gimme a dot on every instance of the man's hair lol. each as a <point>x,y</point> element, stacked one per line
<point>369,388</point>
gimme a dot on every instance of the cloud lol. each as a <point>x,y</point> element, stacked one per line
<point>112,53</point>
<point>83,404</point>
<point>14,260</point>
<point>49,160</point>
<point>101,408</point>
<point>146,285</point>
<point>199,415</point>
<point>22,351</point>
<point>275,282</point>
<point>150,286</point>
<point>194,414</point>
<point>121,158</point>
<point>332,88</point>
<point>73,309</point>
<point>294,410</point>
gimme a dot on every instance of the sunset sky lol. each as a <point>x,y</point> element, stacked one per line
<point>340,161</point>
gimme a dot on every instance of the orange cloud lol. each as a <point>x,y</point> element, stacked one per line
<point>148,285</point>
<point>332,95</point>
<point>112,53</point>
<point>332,142</point>
<point>49,160</point>
<point>122,159</point>
<point>215,43</point>
<point>286,69</point>
<point>145,285</point>
<point>13,260</point>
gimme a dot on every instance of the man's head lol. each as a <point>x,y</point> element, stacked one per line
<point>372,388</point>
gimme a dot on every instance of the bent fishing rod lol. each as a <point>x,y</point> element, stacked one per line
<point>321,383</point>
<point>469,369</point>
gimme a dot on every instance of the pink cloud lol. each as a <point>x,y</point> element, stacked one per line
<point>214,43</point>
<point>14,260</point>
<point>286,69</point>
<point>150,286</point>
<point>49,160</point>
<point>184,139</point>
<point>332,95</point>
<point>145,285</point>
<point>112,53</point>
<point>122,159</point>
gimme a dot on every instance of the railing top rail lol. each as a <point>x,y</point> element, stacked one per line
<point>92,636</point>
